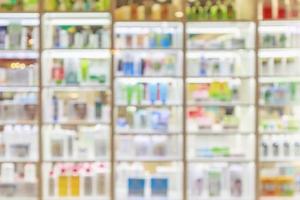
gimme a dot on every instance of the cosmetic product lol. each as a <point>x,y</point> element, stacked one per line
<point>75,183</point>
<point>63,183</point>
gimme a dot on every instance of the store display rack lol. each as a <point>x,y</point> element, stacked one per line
<point>149,100</point>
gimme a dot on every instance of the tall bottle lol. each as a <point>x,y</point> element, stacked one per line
<point>75,183</point>
<point>267,9</point>
<point>63,183</point>
<point>282,11</point>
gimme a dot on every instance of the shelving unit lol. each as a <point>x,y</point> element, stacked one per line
<point>278,64</point>
<point>147,109</point>
<point>168,98</point>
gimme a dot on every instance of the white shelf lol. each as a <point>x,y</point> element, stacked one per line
<point>76,198</point>
<point>104,159</point>
<point>19,54</point>
<point>219,198</point>
<point>78,88</point>
<point>219,133</point>
<point>19,88</point>
<point>78,53</point>
<point>211,160</point>
<point>146,132</point>
<point>18,198</point>
<point>280,198</point>
<point>148,159</point>
<point>221,104</point>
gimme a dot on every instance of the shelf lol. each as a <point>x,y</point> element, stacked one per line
<point>160,77</point>
<point>288,104</point>
<point>219,133</point>
<point>75,198</point>
<point>190,79</point>
<point>280,132</point>
<point>158,105</point>
<point>80,53</point>
<point>278,52</point>
<point>147,132</point>
<point>149,159</point>
<point>213,79</point>
<point>25,160</point>
<point>78,88</point>
<point>279,79</point>
<point>221,160</point>
<point>18,122</point>
<point>219,198</point>
<point>19,198</point>
<point>77,18</point>
<point>82,160</point>
<point>220,104</point>
<point>280,198</point>
<point>19,54</point>
<point>78,123</point>
<point>147,49</point>
<point>19,89</point>
<point>280,160</point>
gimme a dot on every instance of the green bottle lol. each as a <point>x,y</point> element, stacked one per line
<point>84,69</point>
<point>231,13</point>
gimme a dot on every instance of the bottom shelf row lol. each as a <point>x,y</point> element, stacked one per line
<point>149,180</point>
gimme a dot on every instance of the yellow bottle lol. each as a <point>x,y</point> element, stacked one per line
<point>63,184</point>
<point>75,184</point>
<point>156,12</point>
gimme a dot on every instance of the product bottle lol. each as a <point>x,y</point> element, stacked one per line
<point>282,12</point>
<point>51,184</point>
<point>231,13</point>
<point>267,9</point>
<point>75,183</point>
<point>63,183</point>
<point>84,69</point>
<point>58,72</point>
<point>88,182</point>
<point>156,11</point>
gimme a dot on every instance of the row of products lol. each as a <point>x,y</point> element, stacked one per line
<point>211,66</point>
<point>148,181</point>
<point>279,93</point>
<point>216,41</point>
<point>280,9</point>
<point>18,142</point>
<point>18,180</point>
<point>148,120</point>
<point>281,180</point>
<point>211,10</point>
<point>276,147</point>
<point>280,40</point>
<point>82,71</point>
<point>218,181</point>
<point>134,147</point>
<point>21,107</point>
<point>147,93</point>
<point>213,118</point>
<point>87,143</point>
<point>17,36</point>
<point>77,180</point>
<point>18,72</point>
<point>18,5</point>
<point>272,66</point>
<point>80,37</point>
<point>215,91</point>
<point>213,152</point>
<point>144,38</point>
<point>64,107</point>
<point>152,65</point>
<point>77,5</point>
<point>148,10</point>
<point>278,119</point>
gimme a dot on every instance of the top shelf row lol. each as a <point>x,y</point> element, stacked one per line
<point>170,10</point>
